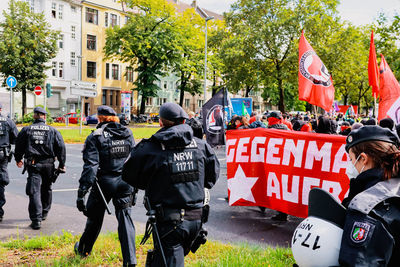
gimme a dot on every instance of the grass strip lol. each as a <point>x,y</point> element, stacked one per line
<point>72,136</point>
<point>57,250</point>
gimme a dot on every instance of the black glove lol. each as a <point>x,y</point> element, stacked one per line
<point>80,201</point>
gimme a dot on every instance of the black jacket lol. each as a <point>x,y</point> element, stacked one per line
<point>8,132</point>
<point>173,167</point>
<point>40,141</point>
<point>371,235</point>
<point>105,152</point>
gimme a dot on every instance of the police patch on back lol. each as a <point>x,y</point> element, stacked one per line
<point>119,149</point>
<point>185,161</point>
<point>39,134</point>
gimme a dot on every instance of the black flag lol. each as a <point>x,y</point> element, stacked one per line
<point>213,118</point>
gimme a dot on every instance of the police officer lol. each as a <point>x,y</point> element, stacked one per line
<point>104,154</point>
<point>370,229</point>
<point>8,134</point>
<point>39,144</point>
<point>173,168</point>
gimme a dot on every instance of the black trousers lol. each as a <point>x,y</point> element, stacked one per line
<point>38,188</point>
<point>121,194</point>
<point>4,180</point>
<point>176,238</point>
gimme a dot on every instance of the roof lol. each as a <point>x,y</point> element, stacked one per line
<point>204,13</point>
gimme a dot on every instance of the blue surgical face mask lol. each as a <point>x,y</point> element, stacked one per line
<point>351,170</point>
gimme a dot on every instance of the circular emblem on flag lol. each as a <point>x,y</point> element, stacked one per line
<point>313,69</point>
<point>214,120</point>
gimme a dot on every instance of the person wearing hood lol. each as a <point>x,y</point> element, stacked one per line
<point>324,125</point>
<point>39,144</point>
<point>104,153</point>
<point>174,168</point>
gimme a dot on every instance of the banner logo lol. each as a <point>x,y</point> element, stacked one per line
<point>214,119</point>
<point>313,69</point>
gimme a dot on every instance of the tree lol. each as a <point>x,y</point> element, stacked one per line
<point>270,30</point>
<point>26,44</point>
<point>190,65</point>
<point>150,41</point>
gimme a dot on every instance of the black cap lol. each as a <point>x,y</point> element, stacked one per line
<point>275,114</point>
<point>172,111</point>
<point>106,111</point>
<point>39,110</point>
<point>371,133</point>
<point>387,123</point>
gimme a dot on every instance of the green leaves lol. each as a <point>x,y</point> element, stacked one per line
<point>26,44</point>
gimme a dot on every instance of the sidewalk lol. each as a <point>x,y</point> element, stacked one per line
<point>16,220</point>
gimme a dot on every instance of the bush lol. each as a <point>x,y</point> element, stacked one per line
<point>28,118</point>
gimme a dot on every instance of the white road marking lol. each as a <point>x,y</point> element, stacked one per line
<point>65,190</point>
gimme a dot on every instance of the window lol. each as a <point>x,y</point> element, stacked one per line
<point>73,9</point>
<point>54,69</point>
<point>73,62</point>
<point>149,101</point>
<point>126,20</point>
<point>114,20</point>
<point>114,71</point>
<point>53,10</point>
<point>111,97</point>
<point>92,15</point>
<point>165,85</point>
<point>91,42</point>
<point>161,100</point>
<point>73,31</point>
<point>61,41</point>
<point>129,74</point>
<point>104,101</point>
<point>171,85</point>
<point>106,19</point>
<point>60,11</point>
<point>107,70</point>
<point>200,102</point>
<point>91,69</point>
<point>60,69</point>
<point>187,102</point>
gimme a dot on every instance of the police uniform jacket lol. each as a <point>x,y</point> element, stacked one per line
<point>40,142</point>
<point>173,167</point>
<point>8,132</point>
<point>371,235</point>
<point>105,152</point>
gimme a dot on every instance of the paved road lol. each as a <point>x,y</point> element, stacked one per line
<point>227,224</point>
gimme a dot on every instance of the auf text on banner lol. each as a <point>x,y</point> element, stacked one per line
<point>277,169</point>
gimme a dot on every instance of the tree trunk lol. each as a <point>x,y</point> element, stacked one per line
<point>143,105</point>
<point>214,89</point>
<point>24,111</point>
<point>281,104</point>
<point>345,97</point>
<point>182,89</point>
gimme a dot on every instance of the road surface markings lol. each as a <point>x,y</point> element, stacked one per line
<point>65,190</point>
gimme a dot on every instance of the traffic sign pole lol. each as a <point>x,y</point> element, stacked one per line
<point>45,98</point>
<point>11,82</point>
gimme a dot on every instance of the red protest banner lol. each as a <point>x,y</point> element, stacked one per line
<point>277,169</point>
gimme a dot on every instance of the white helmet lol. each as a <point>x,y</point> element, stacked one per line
<point>316,241</point>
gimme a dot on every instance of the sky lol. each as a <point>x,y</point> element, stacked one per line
<point>358,12</point>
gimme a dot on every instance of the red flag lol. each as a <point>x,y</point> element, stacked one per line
<point>315,82</point>
<point>389,89</point>
<point>373,70</point>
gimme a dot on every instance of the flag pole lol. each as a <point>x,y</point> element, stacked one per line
<point>375,109</point>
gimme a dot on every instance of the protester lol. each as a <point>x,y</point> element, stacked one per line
<point>387,123</point>
<point>244,123</point>
<point>275,121</point>
<point>371,121</point>
<point>175,194</point>
<point>285,120</point>
<point>324,125</point>
<point>345,128</point>
<point>257,123</point>
<point>356,125</point>
<point>39,144</point>
<point>104,153</point>
<point>371,234</point>
<point>8,135</point>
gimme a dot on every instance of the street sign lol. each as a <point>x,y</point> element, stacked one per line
<point>38,90</point>
<point>81,88</point>
<point>83,92</point>
<point>11,82</point>
<point>84,85</point>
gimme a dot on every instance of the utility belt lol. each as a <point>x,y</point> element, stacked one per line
<point>167,214</point>
<point>6,153</point>
<point>31,162</point>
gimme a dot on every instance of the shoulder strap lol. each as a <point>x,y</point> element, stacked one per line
<point>99,131</point>
<point>367,200</point>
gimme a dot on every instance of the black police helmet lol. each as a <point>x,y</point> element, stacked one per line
<point>39,110</point>
<point>106,111</point>
<point>172,112</point>
<point>371,133</point>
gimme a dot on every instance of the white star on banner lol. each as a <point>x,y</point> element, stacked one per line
<point>240,186</point>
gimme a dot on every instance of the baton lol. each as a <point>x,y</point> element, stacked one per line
<point>102,197</point>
